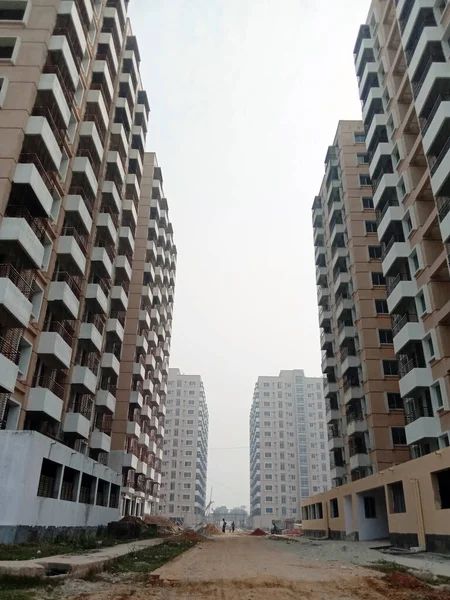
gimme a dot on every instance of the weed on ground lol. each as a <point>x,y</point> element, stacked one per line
<point>22,588</point>
<point>150,559</point>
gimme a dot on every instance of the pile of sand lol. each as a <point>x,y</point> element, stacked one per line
<point>258,532</point>
<point>187,536</point>
<point>212,529</point>
<point>164,526</point>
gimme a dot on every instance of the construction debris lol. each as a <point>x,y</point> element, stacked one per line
<point>212,529</point>
<point>163,525</point>
<point>187,536</point>
<point>258,532</point>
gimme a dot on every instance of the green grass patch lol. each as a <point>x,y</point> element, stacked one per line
<point>22,588</point>
<point>29,551</point>
<point>388,567</point>
<point>148,560</point>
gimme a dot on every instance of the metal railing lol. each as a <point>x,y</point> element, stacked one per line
<point>417,85</point>
<point>73,283</point>
<point>429,21</point>
<point>50,383</point>
<point>406,12</point>
<point>408,366</point>
<point>435,161</point>
<point>349,383</point>
<point>380,213</point>
<point>107,386</point>
<point>346,352</point>
<point>33,158</point>
<point>81,240</point>
<point>412,413</point>
<point>425,122</point>
<point>81,405</point>
<point>399,323</point>
<point>103,282</point>
<point>386,247</point>
<point>103,423</point>
<point>65,331</point>
<point>7,271</point>
<point>392,282</point>
<point>37,225</point>
<point>376,182</point>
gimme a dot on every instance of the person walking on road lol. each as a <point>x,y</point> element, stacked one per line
<point>224,526</point>
<point>232,527</point>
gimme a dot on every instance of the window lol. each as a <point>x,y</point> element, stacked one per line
<point>390,367</point>
<point>186,496</point>
<point>438,395</point>
<point>378,278</point>
<point>269,499</point>
<point>415,262</point>
<point>369,507</point>
<point>374,251</point>
<point>422,303</point>
<point>365,180</point>
<point>381,307</point>
<point>3,87</point>
<point>430,347</point>
<point>441,486</point>
<point>360,138</point>
<point>395,401</point>
<point>9,48</point>
<point>371,226</point>
<point>367,203</point>
<point>385,336</point>
<point>334,508</point>
<point>362,159</point>
<point>269,511</point>
<point>396,497</point>
<point>398,436</point>
<point>13,10</point>
<point>269,488</point>
<point>47,487</point>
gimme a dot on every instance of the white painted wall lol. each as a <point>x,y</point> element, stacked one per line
<point>373,529</point>
<point>21,454</point>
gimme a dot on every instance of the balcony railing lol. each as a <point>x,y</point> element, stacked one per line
<point>376,182</point>
<point>417,85</point>
<point>82,405</point>
<point>114,349</point>
<point>88,199</point>
<point>7,271</point>
<point>381,213</point>
<point>417,412</point>
<point>81,240</point>
<point>62,329</point>
<point>37,225</point>
<point>10,351</point>
<point>349,383</point>
<point>407,366</point>
<point>73,283</point>
<point>435,161</point>
<point>399,323</point>
<point>90,361</point>
<point>102,282</point>
<point>425,122</point>
<point>386,247</point>
<point>96,320</point>
<point>357,448</point>
<point>375,110</point>
<point>119,315</point>
<point>336,462</point>
<point>33,158</point>
<point>49,382</point>
<point>103,423</point>
<point>406,12</point>
<point>354,416</point>
<point>392,282</point>
<point>333,432</point>
<point>346,352</point>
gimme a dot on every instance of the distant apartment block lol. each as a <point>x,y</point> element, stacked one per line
<point>185,460</point>
<point>87,271</point>
<point>288,445</point>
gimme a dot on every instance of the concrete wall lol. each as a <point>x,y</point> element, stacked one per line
<point>21,455</point>
<point>423,523</point>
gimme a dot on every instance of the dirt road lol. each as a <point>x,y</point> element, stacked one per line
<point>246,568</point>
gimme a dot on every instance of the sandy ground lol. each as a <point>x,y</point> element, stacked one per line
<point>246,568</point>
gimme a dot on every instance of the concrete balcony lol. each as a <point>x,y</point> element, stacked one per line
<point>392,213</point>
<point>343,304</point>
<point>338,472</point>
<point>157,294</point>
<point>50,85</point>
<point>106,226</point>
<point>423,428</point>
<point>413,377</point>
<point>82,165</point>
<point>110,194</point>
<point>28,181</point>
<point>334,189</point>
<point>130,460</point>
<point>17,235</point>
<point>43,400</point>
<point>96,103</point>
<point>9,369</point>
<point>439,177</point>
<point>437,72</point>
<point>89,130</point>
<point>133,186</point>
<point>91,337</point>
<point>161,332</point>
<point>111,363</point>
<point>166,348</point>
<point>352,392</point>
<point>101,262</point>
<point>324,315</point>
<point>114,162</point>
<point>349,362</point>
<point>123,268</point>
<point>38,127</point>
<point>160,432</point>
<point>76,206</point>
<point>77,424</point>
<point>330,388</point>
<point>157,377</point>
<point>374,95</point>
<point>323,296</point>
<point>356,426</point>
<point>378,120</point>
<point>319,254</point>
<point>146,412</point>
<point>70,253</point>
<point>338,232</point>
<point>101,71</point>
<point>141,468</point>
<point>346,332</point>
<point>342,281</point>
<point>84,379</point>
<point>388,180</point>
<point>149,271</point>
<point>144,440</point>
<point>336,440</point>
<point>326,339</point>
<point>370,69</point>
<point>395,251</point>
<point>127,238</point>
<point>115,329</point>
<point>333,414</point>
<point>383,149</point>
<point>100,441</point>
<point>405,332</point>
<point>321,276</point>
<point>15,307</point>
<point>53,350</point>
<point>147,295</point>
<point>137,399</point>
<point>150,362</point>
<point>96,299</point>
<point>138,371</point>
<point>119,297</point>
<point>359,461</point>
<point>106,40</point>
<point>133,429</point>
<point>165,367</point>
<point>144,319</point>
<point>437,119</point>
<point>401,291</point>
<point>328,363</point>
<point>148,387</point>
<point>142,344</point>
<point>105,400</point>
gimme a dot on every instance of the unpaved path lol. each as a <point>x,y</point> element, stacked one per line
<point>246,568</point>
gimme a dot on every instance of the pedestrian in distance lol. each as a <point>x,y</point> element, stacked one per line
<point>232,527</point>
<point>224,526</point>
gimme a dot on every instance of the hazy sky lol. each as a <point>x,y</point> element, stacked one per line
<point>245,97</point>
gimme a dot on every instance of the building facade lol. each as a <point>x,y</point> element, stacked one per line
<point>185,460</point>
<point>401,58</point>
<point>288,446</point>
<point>366,421</point>
<point>87,269</point>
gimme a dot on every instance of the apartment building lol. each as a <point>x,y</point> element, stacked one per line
<point>185,460</point>
<point>87,270</point>
<point>401,58</point>
<point>366,420</point>
<point>288,445</point>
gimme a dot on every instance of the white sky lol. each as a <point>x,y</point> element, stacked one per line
<point>245,98</point>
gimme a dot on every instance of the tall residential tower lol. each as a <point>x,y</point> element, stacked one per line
<point>288,445</point>
<point>87,270</point>
<point>185,462</point>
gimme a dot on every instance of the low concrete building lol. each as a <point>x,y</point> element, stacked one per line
<point>408,503</point>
